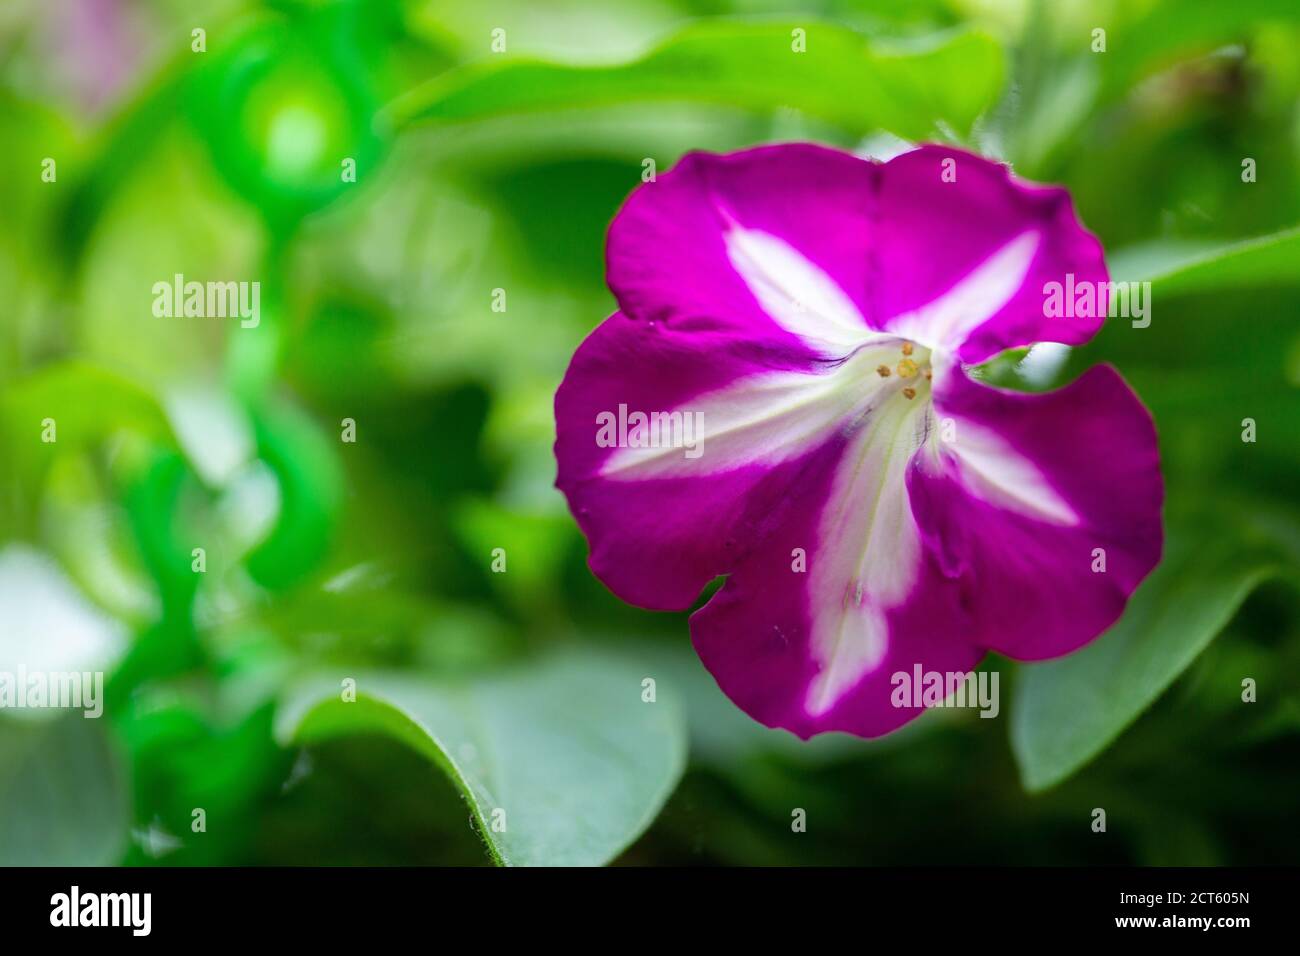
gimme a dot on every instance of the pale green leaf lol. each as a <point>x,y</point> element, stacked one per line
<point>63,801</point>
<point>1182,269</point>
<point>1068,710</point>
<point>915,90</point>
<point>561,761</point>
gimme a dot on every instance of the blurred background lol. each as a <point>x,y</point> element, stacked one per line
<point>422,189</point>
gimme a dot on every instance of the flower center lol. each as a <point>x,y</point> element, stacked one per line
<point>912,368</point>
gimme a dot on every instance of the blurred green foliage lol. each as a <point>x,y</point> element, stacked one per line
<point>479,169</point>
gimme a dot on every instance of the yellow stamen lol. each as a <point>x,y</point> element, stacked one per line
<point>883,371</point>
<point>907,348</point>
<point>909,392</point>
<point>907,368</point>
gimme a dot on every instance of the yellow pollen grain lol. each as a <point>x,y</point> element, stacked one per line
<point>883,371</point>
<point>909,392</point>
<point>907,368</point>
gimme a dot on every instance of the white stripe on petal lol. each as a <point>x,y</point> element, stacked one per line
<point>948,321</point>
<point>860,636</point>
<point>867,554</point>
<point>796,293</point>
<point>759,420</point>
<point>996,473</point>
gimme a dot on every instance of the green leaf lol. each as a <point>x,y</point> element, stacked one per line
<point>62,798</point>
<point>88,404</point>
<point>1067,711</point>
<point>1156,36</point>
<point>534,544</point>
<point>566,747</point>
<point>1181,270</point>
<point>307,468</point>
<point>912,90</point>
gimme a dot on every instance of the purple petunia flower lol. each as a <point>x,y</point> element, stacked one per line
<point>784,397</point>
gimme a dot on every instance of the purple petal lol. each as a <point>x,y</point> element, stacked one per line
<point>763,635</point>
<point>698,248</point>
<point>1034,493</point>
<point>965,262</point>
<point>960,265</point>
<point>661,528</point>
